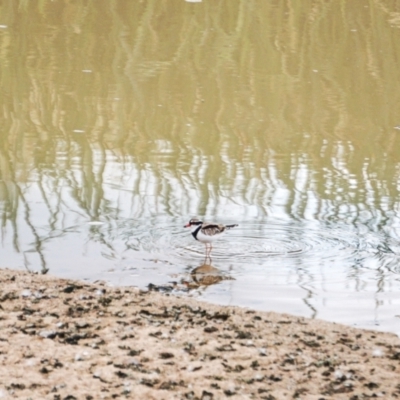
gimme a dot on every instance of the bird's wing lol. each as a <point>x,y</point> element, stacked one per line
<point>212,229</point>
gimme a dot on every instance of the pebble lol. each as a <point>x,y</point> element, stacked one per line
<point>82,356</point>
<point>378,353</point>
<point>262,351</point>
<point>48,334</point>
<point>338,374</point>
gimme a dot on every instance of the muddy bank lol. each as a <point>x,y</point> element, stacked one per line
<point>62,339</point>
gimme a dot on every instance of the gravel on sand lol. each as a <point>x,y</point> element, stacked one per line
<point>65,340</point>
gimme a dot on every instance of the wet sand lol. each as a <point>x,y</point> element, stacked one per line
<point>63,339</point>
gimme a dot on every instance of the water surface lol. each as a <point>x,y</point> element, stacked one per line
<point>122,120</point>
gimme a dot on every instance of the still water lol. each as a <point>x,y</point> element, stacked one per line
<point>122,120</point>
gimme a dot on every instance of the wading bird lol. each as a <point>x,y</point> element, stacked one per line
<point>207,232</point>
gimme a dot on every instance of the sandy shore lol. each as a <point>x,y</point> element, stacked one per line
<point>62,339</point>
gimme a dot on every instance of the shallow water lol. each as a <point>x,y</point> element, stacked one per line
<point>123,120</point>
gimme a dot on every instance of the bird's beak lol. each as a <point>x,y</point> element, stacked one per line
<point>186,226</point>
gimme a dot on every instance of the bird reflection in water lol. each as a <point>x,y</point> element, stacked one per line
<point>198,278</point>
<point>205,275</point>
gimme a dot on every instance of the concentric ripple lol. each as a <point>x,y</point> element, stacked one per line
<point>255,242</point>
<point>258,243</point>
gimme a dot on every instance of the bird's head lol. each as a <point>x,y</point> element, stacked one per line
<point>193,222</point>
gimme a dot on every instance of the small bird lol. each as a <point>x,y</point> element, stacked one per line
<point>207,232</point>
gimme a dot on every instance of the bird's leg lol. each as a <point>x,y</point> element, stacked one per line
<point>209,250</point>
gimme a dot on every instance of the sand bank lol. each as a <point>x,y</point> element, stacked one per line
<point>63,339</point>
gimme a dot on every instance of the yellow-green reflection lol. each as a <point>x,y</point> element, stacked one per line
<point>163,109</point>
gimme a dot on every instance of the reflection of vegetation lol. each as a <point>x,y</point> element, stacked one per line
<point>136,108</point>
